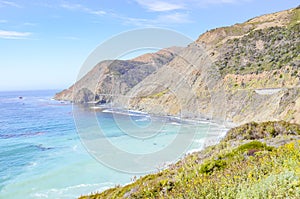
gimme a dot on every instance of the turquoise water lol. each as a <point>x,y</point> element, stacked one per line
<point>42,156</point>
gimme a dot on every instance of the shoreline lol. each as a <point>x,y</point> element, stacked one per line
<point>211,137</point>
<point>132,112</point>
<point>93,105</point>
<point>242,147</point>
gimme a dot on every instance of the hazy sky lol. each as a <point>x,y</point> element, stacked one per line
<point>44,42</point>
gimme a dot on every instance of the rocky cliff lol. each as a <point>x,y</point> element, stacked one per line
<point>115,77</point>
<point>245,72</point>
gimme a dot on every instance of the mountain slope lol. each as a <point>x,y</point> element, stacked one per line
<point>115,77</point>
<point>246,72</point>
<point>241,73</point>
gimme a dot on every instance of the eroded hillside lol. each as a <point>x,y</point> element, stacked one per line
<point>245,72</point>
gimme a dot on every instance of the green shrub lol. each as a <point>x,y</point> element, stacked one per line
<point>212,165</point>
<point>254,145</point>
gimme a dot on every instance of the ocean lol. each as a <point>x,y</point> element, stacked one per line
<point>42,155</point>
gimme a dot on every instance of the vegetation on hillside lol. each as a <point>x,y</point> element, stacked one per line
<point>235,168</point>
<point>262,50</point>
<point>253,130</point>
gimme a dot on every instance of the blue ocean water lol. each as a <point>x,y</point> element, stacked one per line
<point>42,156</point>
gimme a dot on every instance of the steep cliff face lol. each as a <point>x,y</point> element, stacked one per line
<point>115,77</point>
<point>246,72</point>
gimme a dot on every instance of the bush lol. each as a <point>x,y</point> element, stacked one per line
<point>252,130</point>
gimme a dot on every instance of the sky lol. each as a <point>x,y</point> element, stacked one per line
<point>43,43</point>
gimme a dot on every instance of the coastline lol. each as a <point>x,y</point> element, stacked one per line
<point>211,138</point>
<point>191,120</point>
<point>233,151</point>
